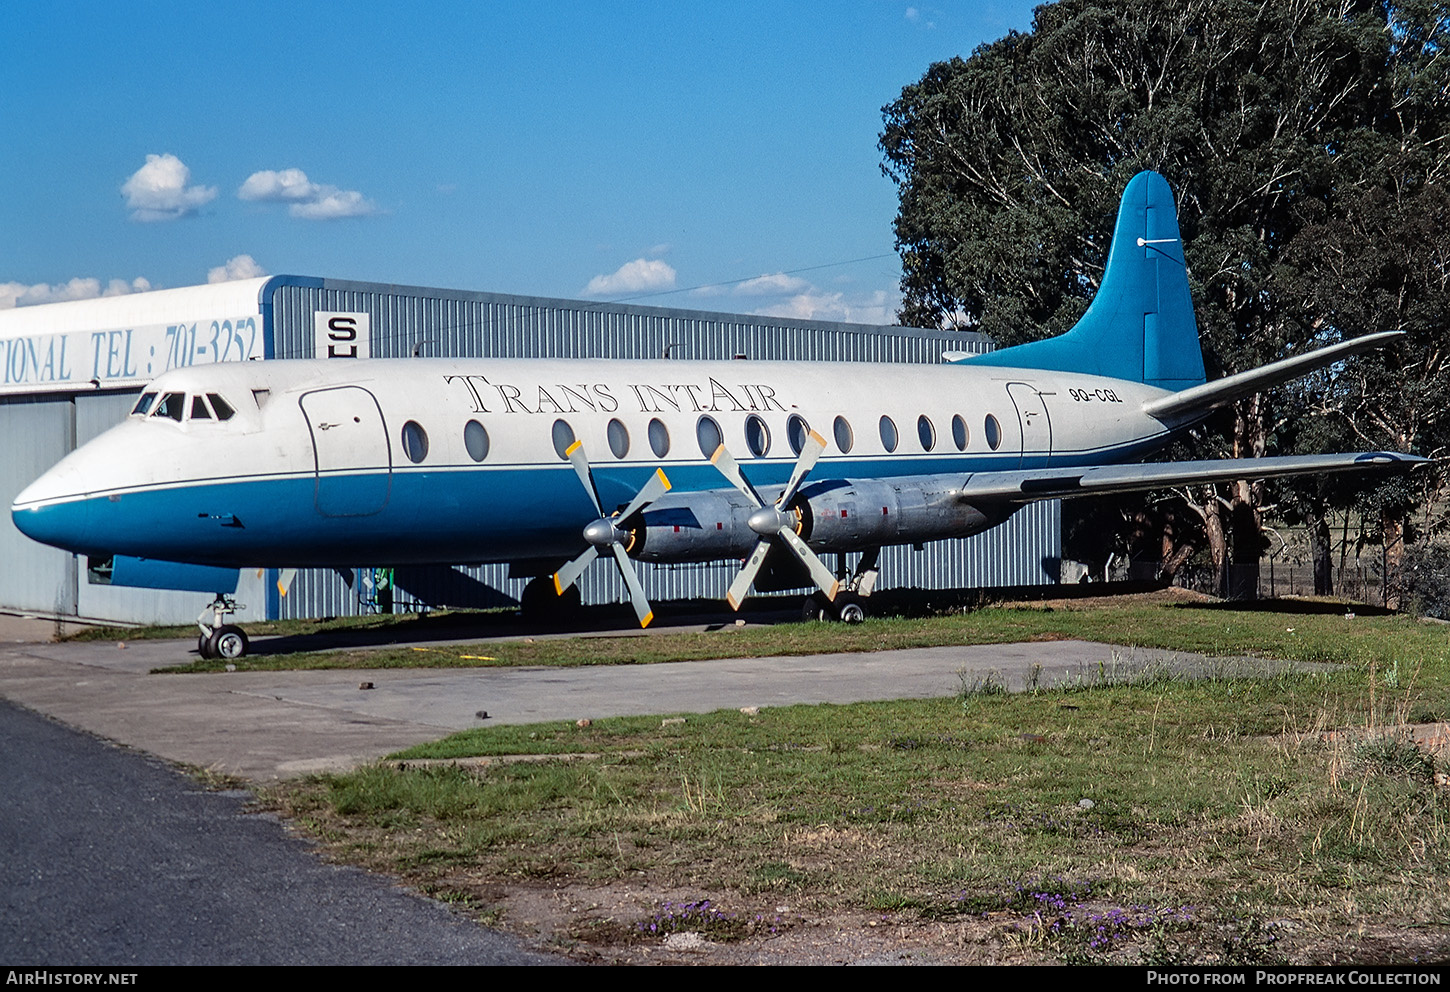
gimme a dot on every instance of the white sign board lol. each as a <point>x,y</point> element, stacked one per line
<point>341,335</point>
<point>88,359</point>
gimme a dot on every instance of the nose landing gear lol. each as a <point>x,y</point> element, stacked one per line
<point>219,639</point>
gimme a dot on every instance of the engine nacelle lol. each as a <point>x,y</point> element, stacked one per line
<point>836,515</point>
<point>699,526</point>
<point>853,515</point>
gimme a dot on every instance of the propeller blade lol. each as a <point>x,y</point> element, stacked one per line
<point>284,580</point>
<point>637,598</point>
<point>810,451</point>
<point>729,468</point>
<point>569,574</point>
<point>656,487</point>
<point>740,587</point>
<point>820,574</point>
<point>577,458</point>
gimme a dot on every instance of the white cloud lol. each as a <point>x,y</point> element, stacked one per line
<point>641,275</point>
<point>236,267</point>
<point>334,204</point>
<point>159,190</point>
<point>309,200</point>
<point>284,185</point>
<point>772,285</point>
<point>19,294</point>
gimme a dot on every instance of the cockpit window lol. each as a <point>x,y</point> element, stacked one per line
<point>143,405</point>
<point>223,409</point>
<point>199,409</point>
<point>172,405</point>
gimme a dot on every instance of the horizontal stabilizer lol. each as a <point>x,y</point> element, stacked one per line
<point>1064,483</point>
<point>1198,400</point>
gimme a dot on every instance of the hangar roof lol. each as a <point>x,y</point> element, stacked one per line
<point>154,307</point>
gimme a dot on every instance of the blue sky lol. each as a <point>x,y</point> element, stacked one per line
<point>581,150</point>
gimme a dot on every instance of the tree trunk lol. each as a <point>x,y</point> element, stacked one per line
<point>1320,552</point>
<point>1392,534</point>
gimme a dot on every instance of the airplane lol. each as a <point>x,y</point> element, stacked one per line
<point>549,464</point>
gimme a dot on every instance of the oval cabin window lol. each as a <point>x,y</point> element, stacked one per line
<point>415,441</point>
<point>563,438</point>
<point>757,436</point>
<point>925,432</point>
<point>659,438</point>
<point>618,438</point>
<point>707,432</point>
<point>993,432</point>
<point>796,432</point>
<point>475,439</point>
<point>888,434</point>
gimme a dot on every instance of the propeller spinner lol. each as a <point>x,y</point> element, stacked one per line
<point>776,520</point>
<point>605,532</point>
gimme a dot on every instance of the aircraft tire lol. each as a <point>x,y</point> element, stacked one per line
<point>848,608</point>
<point>228,641</point>
<point>203,645</point>
<point>815,607</point>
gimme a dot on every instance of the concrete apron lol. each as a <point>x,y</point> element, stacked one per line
<point>266,725</point>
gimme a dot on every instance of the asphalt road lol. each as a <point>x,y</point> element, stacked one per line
<point>113,858</point>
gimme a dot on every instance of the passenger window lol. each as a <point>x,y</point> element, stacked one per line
<point>925,432</point>
<point>199,409</point>
<point>796,432</point>
<point>143,405</point>
<point>993,431</point>
<point>223,409</point>
<point>172,405</point>
<point>844,437</point>
<point>618,438</point>
<point>563,438</point>
<point>888,433</point>
<point>475,439</point>
<point>707,432</point>
<point>757,436</point>
<point>959,432</point>
<point>415,441</point>
<point>659,437</point>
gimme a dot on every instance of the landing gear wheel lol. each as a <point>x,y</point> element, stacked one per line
<point>815,607</point>
<point>228,641</point>
<point>203,645</point>
<point>848,608</point>
<point>540,602</point>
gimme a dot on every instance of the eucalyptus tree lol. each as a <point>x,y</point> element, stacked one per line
<point>1271,120</point>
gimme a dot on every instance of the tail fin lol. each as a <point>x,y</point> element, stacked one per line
<point>1140,324</point>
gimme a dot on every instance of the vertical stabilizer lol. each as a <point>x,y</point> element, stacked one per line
<point>1140,324</point>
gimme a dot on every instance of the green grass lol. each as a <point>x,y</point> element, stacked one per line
<point>1223,820</point>
<point>1305,632</point>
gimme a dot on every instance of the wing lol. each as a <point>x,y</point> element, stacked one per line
<point>1062,483</point>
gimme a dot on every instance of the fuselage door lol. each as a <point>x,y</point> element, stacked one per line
<point>353,457</point>
<point>1035,423</point>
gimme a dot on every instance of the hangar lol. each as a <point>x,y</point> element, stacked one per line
<point>70,370</point>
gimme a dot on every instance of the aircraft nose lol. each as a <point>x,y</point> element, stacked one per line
<point>53,510</point>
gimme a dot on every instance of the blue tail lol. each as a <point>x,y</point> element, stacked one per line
<point>1140,324</point>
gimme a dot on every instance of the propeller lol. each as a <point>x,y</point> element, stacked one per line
<point>606,533</point>
<point>775,520</point>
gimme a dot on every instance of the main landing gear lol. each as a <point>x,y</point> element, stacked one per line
<point>218,638</point>
<point>849,606</point>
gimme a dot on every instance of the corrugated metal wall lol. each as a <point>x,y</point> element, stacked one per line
<point>1024,551</point>
<point>38,431</point>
